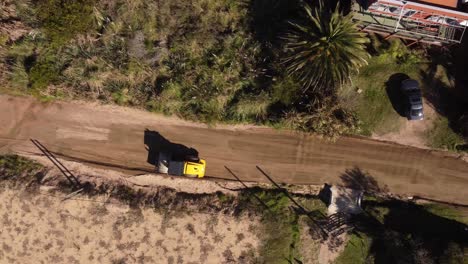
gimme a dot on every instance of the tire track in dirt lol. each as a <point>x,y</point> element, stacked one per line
<point>289,157</point>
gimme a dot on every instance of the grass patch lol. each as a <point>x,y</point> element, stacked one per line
<point>376,112</point>
<point>375,106</point>
<point>63,19</point>
<point>280,238</point>
<point>251,109</point>
<point>356,250</point>
<point>399,231</point>
<point>14,165</point>
<point>448,212</point>
<point>16,169</point>
<point>442,136</point>
<point>280,230</point>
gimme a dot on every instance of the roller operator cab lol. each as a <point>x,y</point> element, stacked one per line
<point>190,166</point>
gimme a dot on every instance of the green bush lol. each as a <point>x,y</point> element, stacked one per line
<point>202,60</point>
<point>286,91</point>
<point>251,109</point>
<point>45,71</point>
<point>63,19</point>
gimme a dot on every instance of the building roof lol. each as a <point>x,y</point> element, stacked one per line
<point>421,22</point>
<point>428,9</point>
<point>448,3</point>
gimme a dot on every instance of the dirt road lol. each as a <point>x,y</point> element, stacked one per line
<point>114,136</point>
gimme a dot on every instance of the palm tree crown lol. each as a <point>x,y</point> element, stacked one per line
<point>325,49</point>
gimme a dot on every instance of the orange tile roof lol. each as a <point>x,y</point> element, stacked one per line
<point>429,9</point>
<point>449,3</point>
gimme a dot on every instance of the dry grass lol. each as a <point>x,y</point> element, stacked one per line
<point>40,228</point>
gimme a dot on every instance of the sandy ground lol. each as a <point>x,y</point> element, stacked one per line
<point>40,228</point>
<point>150,182</point>
<point>113,137</point>
<point>331,249</point>
<point>309,247</point>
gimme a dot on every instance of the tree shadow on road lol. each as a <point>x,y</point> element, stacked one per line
<point>156,143</point>
<point>357,179</point>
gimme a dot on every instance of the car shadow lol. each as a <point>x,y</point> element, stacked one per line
<point>395,94</point>
<point>155,143</point>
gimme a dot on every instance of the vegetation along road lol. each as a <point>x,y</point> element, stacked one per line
<point>114,136</point>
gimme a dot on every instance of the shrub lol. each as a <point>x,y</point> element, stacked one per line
<point>286,91</point>
<point>19,78</point>
<point>63,19</point>
<point>254,108</point>
<point>398,52</point>
<point>20,170</point>
<point>327,118</point>
<point>45,71</point>
<point>324,50</point>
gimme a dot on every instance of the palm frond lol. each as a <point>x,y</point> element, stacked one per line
<point>324,50</point>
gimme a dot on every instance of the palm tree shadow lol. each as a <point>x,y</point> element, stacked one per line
<point>268,18</point>
<point>357,179</point>
<point>395,94</point>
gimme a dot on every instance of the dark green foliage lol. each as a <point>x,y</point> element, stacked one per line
<point>44,71</point>
<point>325,49</point>
<point>286,91</point>
<point>62,19</point>
<point>394,231</point>
<point>209,61</point>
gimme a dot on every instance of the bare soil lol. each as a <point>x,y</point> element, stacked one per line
<point>113,137</point>
<point>412,133</point>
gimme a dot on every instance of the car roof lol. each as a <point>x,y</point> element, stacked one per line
<point>410,83</point>
<point>417,107</point>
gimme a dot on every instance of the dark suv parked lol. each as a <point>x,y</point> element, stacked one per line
<point>414,104</point>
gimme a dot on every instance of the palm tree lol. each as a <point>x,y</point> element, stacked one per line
<point>324,50</point>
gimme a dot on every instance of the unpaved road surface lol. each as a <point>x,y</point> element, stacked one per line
<point>114,137</point>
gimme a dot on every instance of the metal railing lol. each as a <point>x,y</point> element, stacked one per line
<point>409,22</point>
